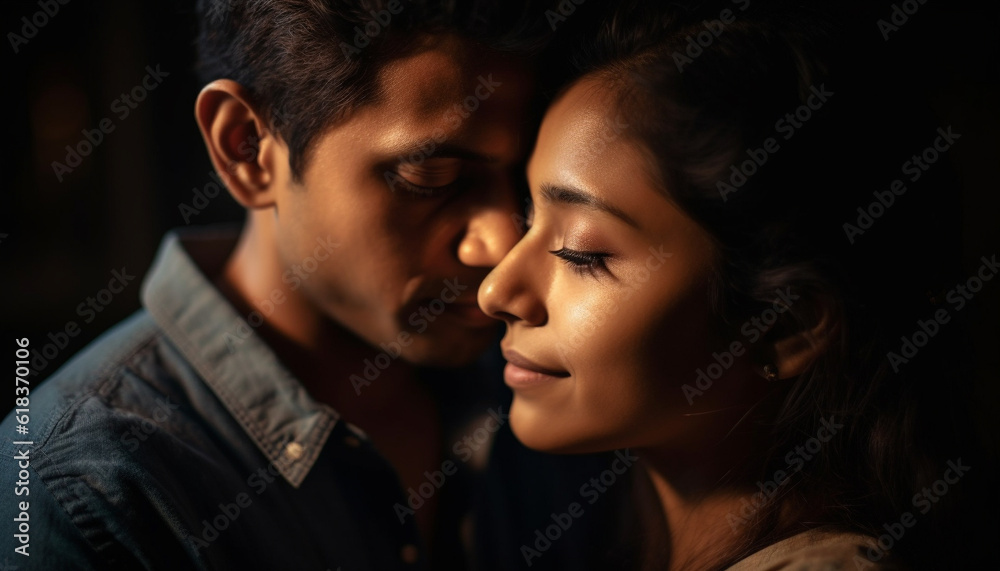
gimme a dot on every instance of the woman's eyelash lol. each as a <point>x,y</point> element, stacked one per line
<point>582,262</point>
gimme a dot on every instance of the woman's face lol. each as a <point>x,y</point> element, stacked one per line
<point>605,298</point>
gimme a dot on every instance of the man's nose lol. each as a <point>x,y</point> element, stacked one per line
<point>491,231</point>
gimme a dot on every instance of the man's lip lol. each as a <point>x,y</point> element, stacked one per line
<point>470,313</point>
<point>519,360</point>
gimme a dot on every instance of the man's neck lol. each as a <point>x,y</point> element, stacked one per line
<point>321,353</point>
<point>395,409</point>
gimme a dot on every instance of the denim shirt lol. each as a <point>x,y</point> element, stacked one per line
<point>167,445</point>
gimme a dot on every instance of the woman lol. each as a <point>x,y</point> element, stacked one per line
<point>689,287</point>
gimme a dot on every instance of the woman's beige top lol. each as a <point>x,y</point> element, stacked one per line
<point>820,550</point>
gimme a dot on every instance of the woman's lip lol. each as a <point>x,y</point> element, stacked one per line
<point>523,362</point>
<point>517,377</point>
<point>522,372</point>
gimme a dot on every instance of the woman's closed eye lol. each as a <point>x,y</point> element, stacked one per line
<point>590,263</point>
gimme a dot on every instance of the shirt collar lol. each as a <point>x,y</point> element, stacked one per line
<point>288,426</point>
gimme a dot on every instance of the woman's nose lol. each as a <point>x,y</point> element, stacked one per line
<point>510,291</point>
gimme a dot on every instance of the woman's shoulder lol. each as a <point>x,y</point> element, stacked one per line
<point>821,549</point>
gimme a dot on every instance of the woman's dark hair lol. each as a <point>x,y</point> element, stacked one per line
<point>310,63</point>
<point>805,204</point>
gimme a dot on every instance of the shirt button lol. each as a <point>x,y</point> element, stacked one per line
<point>409,553</point>
<point>294,451</point>
<point>352,441</point>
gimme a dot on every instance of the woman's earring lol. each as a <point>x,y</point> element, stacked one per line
<point>770,372</point>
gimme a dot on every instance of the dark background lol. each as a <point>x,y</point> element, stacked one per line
<point>64,239</point>
<point>60,241</point>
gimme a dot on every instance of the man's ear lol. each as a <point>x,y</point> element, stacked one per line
<point>793,347</point>
<point>243,149</point>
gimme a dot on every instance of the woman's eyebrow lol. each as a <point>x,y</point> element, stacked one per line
<point>569,195</point>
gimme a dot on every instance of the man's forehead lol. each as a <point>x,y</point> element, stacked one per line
<point>442,72</point>
<point>447,98</point>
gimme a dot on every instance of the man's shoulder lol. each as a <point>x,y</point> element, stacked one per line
<point>89,441</point>
<point>121,373</point>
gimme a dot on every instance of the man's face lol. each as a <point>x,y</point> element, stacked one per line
<point>418,191</point>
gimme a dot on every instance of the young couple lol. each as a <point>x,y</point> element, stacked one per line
<point>279,403</point>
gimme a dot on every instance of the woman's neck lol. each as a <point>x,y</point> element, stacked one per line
<point>697,529</point>
<point>707,496</point>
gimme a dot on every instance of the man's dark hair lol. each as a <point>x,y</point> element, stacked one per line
<point>309,63</point>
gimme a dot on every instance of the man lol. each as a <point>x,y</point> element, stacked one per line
<point>265,408</point>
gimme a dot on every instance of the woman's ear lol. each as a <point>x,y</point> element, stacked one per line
<point>243,149</point>
<point>793,346</point>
